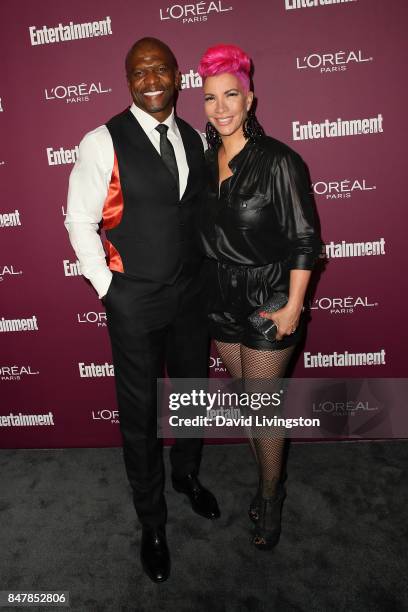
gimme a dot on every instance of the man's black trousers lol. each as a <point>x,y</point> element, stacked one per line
<point>152,326</point>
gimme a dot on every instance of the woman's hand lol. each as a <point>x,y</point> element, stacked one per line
<point>286,319</point>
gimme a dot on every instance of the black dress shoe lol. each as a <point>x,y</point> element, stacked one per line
<point>154,553</point>
<point>202,501</point>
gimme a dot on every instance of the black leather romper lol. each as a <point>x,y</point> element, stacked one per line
<point>255,227</point>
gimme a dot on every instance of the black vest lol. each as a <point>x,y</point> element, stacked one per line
<point>157,234</point>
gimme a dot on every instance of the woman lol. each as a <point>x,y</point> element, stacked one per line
<point>260,237</point>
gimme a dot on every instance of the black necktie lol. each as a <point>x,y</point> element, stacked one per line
<point>167,151</point>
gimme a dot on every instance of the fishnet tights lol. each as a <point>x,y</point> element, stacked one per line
<point>247,363</point>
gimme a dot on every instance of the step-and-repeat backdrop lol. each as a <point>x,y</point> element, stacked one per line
<point>329,79</point>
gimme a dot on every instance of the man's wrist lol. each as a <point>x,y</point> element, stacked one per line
<point>101,282</point>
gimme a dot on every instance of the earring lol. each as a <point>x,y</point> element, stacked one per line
<point>251,126</point>
<point>246,126</point>
<point>212,136</point>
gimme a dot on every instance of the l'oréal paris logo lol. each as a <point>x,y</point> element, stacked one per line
<point>341,305</point>
<point>350,408</point>
<point>106,415</point>
<point>341,189</point>
<point>337,61</point>
<point>97,319</point>
<point>217,365</point>
<point>16,372</point>
<point>193,13</point>
<point>8,272</point>
<point>72,94</point>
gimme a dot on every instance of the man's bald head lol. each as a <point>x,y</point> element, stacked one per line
<point>149,43</point>
<point>153,77</point>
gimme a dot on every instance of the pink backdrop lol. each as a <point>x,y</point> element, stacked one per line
<point>326,61</point>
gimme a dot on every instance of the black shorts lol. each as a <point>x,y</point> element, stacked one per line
<point>232,293</point>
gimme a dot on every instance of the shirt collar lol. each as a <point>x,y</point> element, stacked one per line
<point>149,123</point>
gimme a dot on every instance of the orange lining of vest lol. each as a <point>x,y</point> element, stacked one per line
<point>114,259</point>
<point>113,207</point>
<point>112,216</point>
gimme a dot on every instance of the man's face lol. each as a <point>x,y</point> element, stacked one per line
<point>153,80</point>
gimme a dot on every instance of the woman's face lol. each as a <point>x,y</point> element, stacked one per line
<point>226,103</point>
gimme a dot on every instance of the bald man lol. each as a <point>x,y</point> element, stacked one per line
<point>142,176</point>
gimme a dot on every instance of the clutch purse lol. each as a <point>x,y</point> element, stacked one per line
<point>267,327</point>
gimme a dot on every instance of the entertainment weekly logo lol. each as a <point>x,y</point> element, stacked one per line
<point>337,61</point>
<point>299,4</point>
<point>193,13</point>
<point>8,272</point>
<point>18,325</point>
<point>26,420</point>
<point>73,94</point>
<point>341,189</point>
<point>61,156</point>
<point>191,79</point>
<point>343,360</point>
<point>341,305</point>
<point>10,219</point>
<point>73,31</point>
<point>338,128</point>
<point>71,268</point>
<point>353,249</point>
<point>96,370</point>
<point>16,372</point>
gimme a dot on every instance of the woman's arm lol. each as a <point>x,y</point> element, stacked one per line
<point>298,223</point>
<point>287,318</point>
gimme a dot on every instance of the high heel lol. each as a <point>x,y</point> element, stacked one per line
<point>268,527</point>
<point>255,505</point>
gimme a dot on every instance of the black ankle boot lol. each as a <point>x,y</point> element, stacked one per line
<point>255,505</point>
<point>268,527</point>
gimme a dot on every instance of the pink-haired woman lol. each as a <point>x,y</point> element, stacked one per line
<point>260,237</point>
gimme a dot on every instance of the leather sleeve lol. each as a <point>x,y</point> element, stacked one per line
<point>296,211</point>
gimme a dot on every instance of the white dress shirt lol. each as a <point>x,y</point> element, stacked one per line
<point>89,185</point>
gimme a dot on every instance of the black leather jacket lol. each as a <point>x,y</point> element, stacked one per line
<point>262,214</point>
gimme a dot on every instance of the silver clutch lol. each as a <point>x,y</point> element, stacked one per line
<point>267,327</point>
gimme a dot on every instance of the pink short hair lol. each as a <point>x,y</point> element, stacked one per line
<point>226,58</point>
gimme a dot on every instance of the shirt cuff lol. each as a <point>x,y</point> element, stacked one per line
<point>303,261</point>
<point>101,281</point>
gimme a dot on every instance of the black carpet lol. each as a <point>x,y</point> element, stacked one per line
<point>67,523</point>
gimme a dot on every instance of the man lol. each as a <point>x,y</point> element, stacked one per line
<point>143,174</point>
